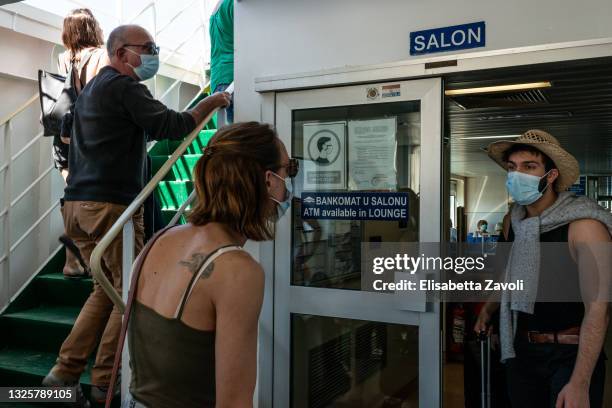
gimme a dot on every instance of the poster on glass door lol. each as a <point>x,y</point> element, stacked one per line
<point>324,156</point>
<point>372,148</point>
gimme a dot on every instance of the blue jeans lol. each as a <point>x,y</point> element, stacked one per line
<point>229,111</point>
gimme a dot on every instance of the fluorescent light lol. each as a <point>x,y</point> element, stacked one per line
<point>489,137</point>
<point>498,88</point>
<point>536,115</point>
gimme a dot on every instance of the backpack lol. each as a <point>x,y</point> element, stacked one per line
<point>58,95</point>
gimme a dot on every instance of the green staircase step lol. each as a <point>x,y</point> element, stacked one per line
<point>43,328</point>
<point>167,147</point>
<point>172,194</point>
<point>47,313</point>
<point>27,367</point>
<point>182,169</point>
<point>55,288</point>
<point>21,367</point>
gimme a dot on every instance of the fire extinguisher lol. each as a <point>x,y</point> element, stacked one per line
<point>458,328</point>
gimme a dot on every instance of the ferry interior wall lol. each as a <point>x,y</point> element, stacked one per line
<point>576,108</point>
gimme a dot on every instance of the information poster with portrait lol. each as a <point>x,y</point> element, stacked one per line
<point>324,156</point>
<point>372,150</point>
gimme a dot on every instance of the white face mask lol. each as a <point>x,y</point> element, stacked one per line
<point>283,206</point>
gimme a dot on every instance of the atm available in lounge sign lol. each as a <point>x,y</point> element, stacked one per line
<point>459,37</point>
<point>382,206</point>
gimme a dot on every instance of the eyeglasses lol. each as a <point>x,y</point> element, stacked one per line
<point>292,167</point>
<point>150,47</point>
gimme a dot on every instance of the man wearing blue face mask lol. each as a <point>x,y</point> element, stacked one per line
<point>115,115</point>
<point>552,347</point>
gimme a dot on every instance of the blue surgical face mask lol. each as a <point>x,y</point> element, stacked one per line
<point>524,188</point>
<point>149,65</point>
<point>283,206</point>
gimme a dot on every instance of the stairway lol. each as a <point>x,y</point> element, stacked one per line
<point>177,185</point>
<point>34,326</point>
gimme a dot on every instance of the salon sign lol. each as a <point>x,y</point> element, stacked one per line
<point>459,37</point>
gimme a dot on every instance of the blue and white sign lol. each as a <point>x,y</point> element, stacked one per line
<point>459,37</point>
<point>382,206</point>
<point>579,188</point>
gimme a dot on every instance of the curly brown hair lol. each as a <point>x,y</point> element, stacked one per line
<point>81,30</point>
<point>230,179</point>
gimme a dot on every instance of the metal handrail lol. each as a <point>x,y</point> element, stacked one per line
<point>5,213</point>
<point>23,107</point>
<point>35,225</point>
<point>96,255</point>
<point>97,10</point>
<point>182,44</point>
<point>183,208</point>
<point>32,185</point>
<point>178,81</point>
<point>22,151</point>
<point>177,15</point>
<point>191,102</point>
<point>148,6</point>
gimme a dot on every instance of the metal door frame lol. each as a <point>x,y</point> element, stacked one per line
<point>359,305</point>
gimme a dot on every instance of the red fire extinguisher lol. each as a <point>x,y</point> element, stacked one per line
<point>457,329</point>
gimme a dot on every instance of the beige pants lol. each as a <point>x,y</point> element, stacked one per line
<point>86,222</point>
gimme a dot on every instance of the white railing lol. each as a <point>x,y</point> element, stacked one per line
<point>173,51</point>
<point>124,222</point>
<point>191,102</point>
<point>152,6</point>
<point>9,248</point>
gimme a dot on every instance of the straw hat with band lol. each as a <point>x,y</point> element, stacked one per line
<point>547,144</point>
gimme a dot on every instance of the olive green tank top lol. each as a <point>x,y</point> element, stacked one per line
<point>173,365</point>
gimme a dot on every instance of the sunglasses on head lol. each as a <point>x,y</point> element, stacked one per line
<point>151,48</point>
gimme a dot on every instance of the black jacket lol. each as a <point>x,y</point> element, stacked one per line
<point>114,117</point>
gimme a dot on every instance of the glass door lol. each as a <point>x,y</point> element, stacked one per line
<point>370,172</point>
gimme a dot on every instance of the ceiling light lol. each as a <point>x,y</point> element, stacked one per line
<point>489,137</point>
<point>536,115</point>
<point>498,88</point>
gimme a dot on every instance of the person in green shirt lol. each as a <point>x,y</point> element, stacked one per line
<point>221,30</point>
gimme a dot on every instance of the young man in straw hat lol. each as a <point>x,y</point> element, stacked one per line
<point>553,349</point>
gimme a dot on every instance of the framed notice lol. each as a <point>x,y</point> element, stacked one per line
<point>372,151</point>
<point>324,156</point>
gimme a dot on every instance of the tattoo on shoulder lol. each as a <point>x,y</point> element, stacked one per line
<point>208,271</point>
<point>196,262</point>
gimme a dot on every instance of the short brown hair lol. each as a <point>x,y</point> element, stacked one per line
<point>230,179</point>
<point>548,163</point>
<point>81,30</point>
